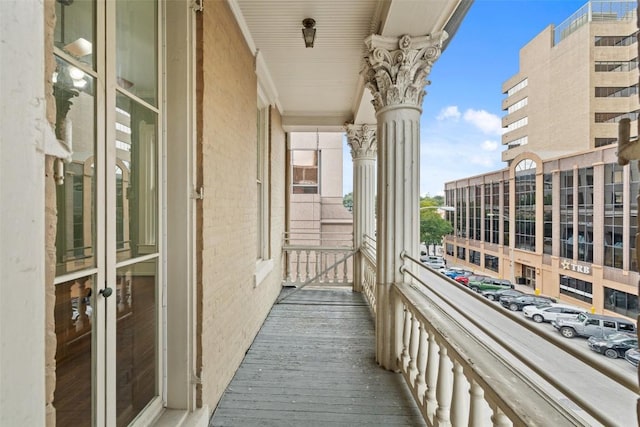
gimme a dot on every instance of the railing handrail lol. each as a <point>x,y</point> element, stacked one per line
<point>588,359</point>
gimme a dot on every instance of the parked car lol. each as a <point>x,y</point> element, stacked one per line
<point>485,283</point>
<point>587,325</point>
<point>466,279</point>
<point>436,265</point>
<point>518,303</point>
<point>497,294</point>
<point>455,272</point>
<point>614,345</point>
<point>550,312</point>
<point>632,356</point>
<point>432,258</point>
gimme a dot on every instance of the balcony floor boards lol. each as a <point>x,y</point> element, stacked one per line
<point>313,364</point>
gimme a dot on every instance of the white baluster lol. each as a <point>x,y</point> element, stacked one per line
<point>297,266</point>
<point>421,384</point>
<point>432,377</point>
<point>404,357</point>
<point>477,405</point>
<point>499,419</point>
<point>413,350</point>
<point>460,402</point>
<point>307,269</point>
<point>444,390</point>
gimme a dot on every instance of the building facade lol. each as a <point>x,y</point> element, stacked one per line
<point>561,218</point>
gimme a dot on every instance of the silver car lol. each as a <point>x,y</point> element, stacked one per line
<point>548,313</point>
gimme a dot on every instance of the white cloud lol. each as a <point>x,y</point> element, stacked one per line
<point>489,145</point>
<point>488,123</point>
<point>450,112</point>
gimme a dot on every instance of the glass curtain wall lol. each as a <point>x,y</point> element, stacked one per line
<point>613,215</point>
<point>585,214</point>
<point>566,214</point>
<point>548,214</point>
<point>525,198</point>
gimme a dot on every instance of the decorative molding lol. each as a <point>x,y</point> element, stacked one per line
<point>362,140</point>
<point>396,69</point>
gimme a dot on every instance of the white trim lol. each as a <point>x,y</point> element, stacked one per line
<point>265,82</point>
<point>237,13</point>
<point>263,268</point>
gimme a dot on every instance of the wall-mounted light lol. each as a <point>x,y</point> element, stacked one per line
<point>309,31</point>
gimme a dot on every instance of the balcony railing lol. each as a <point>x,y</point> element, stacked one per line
<point>456,378</point>
<point>321,258</point>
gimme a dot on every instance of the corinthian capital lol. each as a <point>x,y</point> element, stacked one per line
<point>396,68</point>
<point>362,140</point>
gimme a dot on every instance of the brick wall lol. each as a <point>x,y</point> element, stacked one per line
<point>232,308</point>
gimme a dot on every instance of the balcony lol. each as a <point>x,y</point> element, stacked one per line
<point>312,363</point>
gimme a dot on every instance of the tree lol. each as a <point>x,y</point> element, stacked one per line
<point>433,227</point>
<point>347,201</point>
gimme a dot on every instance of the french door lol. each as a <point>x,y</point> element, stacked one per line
<point>107,287</point>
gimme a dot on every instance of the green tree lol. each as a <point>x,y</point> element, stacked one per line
<point>347,201</point>
<point>433,227</point>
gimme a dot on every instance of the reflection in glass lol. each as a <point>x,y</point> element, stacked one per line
<point>75,127</point>
<point>136,343</point>
<point>136,58</point>
<point>136,179</point>
<point>73,320</point>
<point>75,29</point>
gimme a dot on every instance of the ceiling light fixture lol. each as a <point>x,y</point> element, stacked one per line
<point>309,31</point>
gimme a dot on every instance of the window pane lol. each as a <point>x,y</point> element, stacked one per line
<point>75,29</point>
<point>136,59</point>
<point>136,179</point>
<point>73,90</point>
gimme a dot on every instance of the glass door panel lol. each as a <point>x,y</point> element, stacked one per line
<point>136,179</point>
<point>73,326</point>
<point>74,31</point>
<point>136,339</point>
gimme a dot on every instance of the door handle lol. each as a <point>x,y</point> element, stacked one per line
<point>106,292</point>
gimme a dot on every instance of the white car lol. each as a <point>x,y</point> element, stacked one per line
<point>550,312</point>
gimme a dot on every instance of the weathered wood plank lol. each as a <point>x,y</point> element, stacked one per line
<point>313,364</point>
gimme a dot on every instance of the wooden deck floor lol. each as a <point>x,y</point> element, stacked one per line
<point>313,364</point>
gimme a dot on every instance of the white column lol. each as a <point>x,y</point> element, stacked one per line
<point>363,143</point>
<point>395,72</point>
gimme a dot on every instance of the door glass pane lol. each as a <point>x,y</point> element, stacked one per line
<point>73,326</point>
<point>136,179</point>
<point>136,339</point>
<point>136,48</point>
<point>75,28</point>
<point>73,90</point>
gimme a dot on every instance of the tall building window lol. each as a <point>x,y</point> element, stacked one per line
<point>548,217</point>
<point>450,201</point>
<point>518,87</point>
<point>566,214</point>
<point>615,117</point>
<point>616,92</point>
<point>518,142</point>
<point>613,214</point>
<point>474,257</point>
<point>585,214</point>
<point>505,214</point>
<point>518,105</point>
<point>601,142</point>
<point>488,213</point>
<point>475,200</point>
<point>518,124</point>
<point>634,187</point>
<point>576,288</point>
<point>491,262</point>
<point>305,171</point>
<point>616,66</point>
<point>616,41</point>
<point>525,198</point>
<point>461,212</point>
<point>495,213</point>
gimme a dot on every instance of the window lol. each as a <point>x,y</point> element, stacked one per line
<point>491,262</point>
<point>461,253</point>
<point>601,142</point>
<point>616,66</point>
<point>461,212</point>
<point>518,124</point>
<point>475,201</point>
<point>616,92</point>
<point>585,214</point>
<point>613,214</point>
<point>634,188</point>
<point>262,184</point>
<point>518,105</point>
<point>505,214</point>
<point>474,257</point>
<point>525,205</point>
<point>616,117</point>
<point>566,214</point>
<point>547,214</point>
<point>305,171</point>
<point>518,87</point>
<point>518,142</point>
<point>616,41</point>
<point>576,288</point>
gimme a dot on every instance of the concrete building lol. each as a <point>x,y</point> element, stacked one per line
<point>143,185</point>
<point>561,218</point>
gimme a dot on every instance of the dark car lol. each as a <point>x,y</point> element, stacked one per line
<point>632,356</point>
<point>497,294</point>
<point>614,345</point>
<point>517,303</point>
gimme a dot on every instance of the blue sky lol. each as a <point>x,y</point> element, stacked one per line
<point>461,118</point>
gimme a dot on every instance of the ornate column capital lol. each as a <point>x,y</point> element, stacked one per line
<point>396,67</point>
<point>362,140</point>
